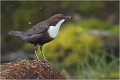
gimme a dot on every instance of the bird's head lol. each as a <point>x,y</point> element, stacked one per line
<point>52,21</point>
<point>60,17</point>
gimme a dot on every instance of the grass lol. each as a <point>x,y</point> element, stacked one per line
<point>98,67</point>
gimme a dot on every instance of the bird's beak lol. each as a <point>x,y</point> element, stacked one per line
<point>68,17</point>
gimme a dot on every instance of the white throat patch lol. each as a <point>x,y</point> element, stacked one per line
<point>53,30</point>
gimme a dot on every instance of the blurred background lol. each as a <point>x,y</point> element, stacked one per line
<point>86,47</point>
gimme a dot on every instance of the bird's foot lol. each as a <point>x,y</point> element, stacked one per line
<point>44,63</point>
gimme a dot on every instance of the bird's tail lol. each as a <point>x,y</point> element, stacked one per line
<point>15,33</point>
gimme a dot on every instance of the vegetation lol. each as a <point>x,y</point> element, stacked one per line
<point>79,54</point>
<point>75,51</point>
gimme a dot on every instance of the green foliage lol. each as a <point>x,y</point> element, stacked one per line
<point>23,15</point>
<point>90,7</point>
<point>79,54</point>
<point>115,29</point>
<point>28,48</point>
<point>73,47</point>
<point>85,7</point>
<point>99,68</point>
<point>95,24</point>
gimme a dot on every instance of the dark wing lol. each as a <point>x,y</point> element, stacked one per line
<point>36,29</point>
<point>35,33</point>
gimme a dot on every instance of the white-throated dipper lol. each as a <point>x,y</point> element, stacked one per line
<point>42,32</point>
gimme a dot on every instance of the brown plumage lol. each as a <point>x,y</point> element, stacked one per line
<point>38,34</point>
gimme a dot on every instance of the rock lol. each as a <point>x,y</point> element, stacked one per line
<point>30,69</point>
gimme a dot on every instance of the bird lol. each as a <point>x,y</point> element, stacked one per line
<point>42,33</point>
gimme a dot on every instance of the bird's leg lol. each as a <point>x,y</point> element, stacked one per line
<point>36,52</point>
<point>37,55</point>
<point>46,63</point>
<point>42,53</point>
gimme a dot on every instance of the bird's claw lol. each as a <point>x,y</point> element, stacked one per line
<point>44,63</point>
